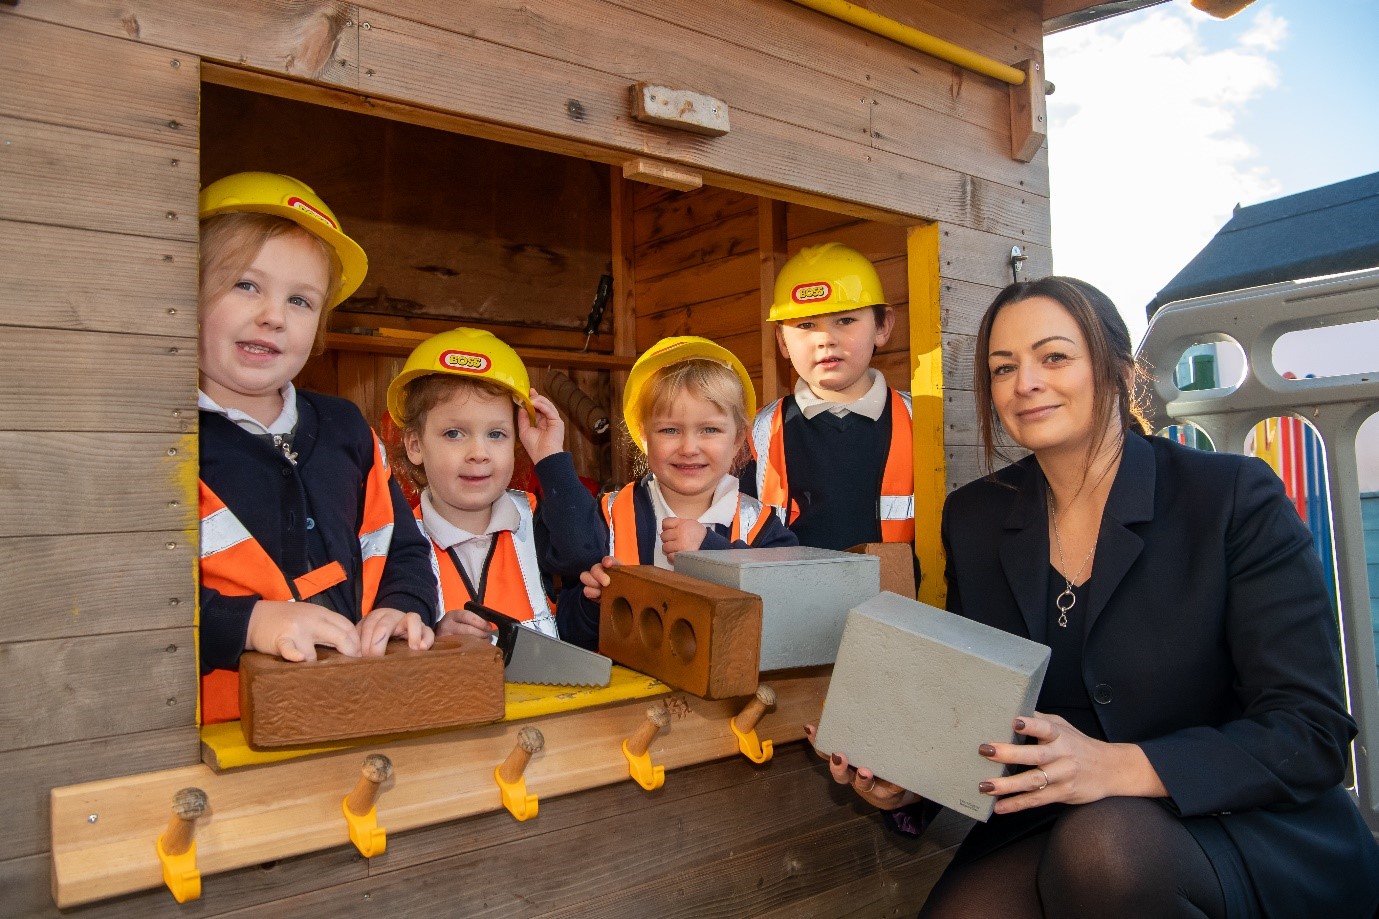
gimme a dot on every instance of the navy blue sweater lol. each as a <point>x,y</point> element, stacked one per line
<point>307,515</point>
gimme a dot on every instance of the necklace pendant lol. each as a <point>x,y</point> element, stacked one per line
<point>1064,602</point>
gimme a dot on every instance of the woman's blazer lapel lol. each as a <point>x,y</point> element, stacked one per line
<point>1024,548</point>
<point>1131,500</point>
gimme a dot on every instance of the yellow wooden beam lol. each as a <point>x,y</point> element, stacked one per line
<point>926,390</point>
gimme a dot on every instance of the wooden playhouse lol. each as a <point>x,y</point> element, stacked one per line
<point>493,160</point>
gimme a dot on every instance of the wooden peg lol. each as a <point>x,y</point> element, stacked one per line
<point>657,717</point>
<point>376,770</point>
<point>529,740</point>
<point>747,719</point>
<point>187,805</point>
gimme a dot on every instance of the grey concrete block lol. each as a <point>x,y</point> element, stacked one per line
<point>805,595</point>
<point>916,690</point>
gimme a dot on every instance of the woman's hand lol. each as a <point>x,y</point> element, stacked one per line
<point>596,578</point>
<point>545,436</point>
<point>875,791</point>
<point>1067,766</point>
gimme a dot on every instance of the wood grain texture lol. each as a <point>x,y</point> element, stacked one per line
<point>62,176</point>
<point>66,586</point>
<point>96,686</point>
<point>729,851</point>
<point>93,381</point>
<point>307,39</point>
<point>63,278</point>
<point>111,483</point>
<point>29,774</point>
<point>68,77</point>
<point>437,778</point>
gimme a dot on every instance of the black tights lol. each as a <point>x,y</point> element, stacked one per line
<point>1116,857</point>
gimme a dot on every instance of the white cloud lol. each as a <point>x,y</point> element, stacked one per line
<point>1146,159</point>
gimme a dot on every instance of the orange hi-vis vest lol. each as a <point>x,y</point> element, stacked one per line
<point>620,513</point>
<point>895,506</point>
<point>234,564</point>
<point>512,580</point>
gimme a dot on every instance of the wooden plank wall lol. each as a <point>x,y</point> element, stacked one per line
<point>98,180</point>
<point>98,176</point>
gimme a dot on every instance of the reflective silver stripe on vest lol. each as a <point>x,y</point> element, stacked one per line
<point>375,544</point>
<point>382,452</point>
<point>524,544</point>
<point>435,567</point>
<point>608,519</point>
<point>761,441</point>
<point>896,507</point>
<point>899,507</point>
<point>220,531</point>
<point>748,512</point>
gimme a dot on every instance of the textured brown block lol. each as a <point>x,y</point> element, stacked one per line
<point>690,634</point>
<point>459,681</point>
<point>897,565</point>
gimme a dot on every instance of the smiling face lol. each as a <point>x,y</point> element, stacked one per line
<point>257,335</point>
<point>467,445</point>
<point>690,445</point>
<point>832,352</point>
<point>1043,385</point>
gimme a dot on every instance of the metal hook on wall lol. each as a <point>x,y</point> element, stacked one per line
<point>1017,263</point>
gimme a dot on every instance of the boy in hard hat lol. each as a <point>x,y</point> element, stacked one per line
<point>305,538</point>
<point>687,405</point>
<point>834,458</point>
<point>462,402</point>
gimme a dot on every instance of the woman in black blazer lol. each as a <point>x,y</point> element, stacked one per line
<point>1188,754</point>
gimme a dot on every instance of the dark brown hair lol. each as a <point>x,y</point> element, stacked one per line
<point>1118,377</point>
<point>422,394</point>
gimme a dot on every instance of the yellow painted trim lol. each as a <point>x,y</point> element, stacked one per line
<point>926,389</point>
<point>914,38</point>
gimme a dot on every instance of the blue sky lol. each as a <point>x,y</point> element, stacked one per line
<point>1166,118</point>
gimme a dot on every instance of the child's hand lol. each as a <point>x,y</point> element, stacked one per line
<point>596,578</point>
<point>463,622</point>
<point>382,624</point>
<point>546,436</point>
<point>293,630</point>
<point>680,534</point>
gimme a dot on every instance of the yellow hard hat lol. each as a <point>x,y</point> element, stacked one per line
<point>673,350</point>
<point>463,353</point>
<point>284,196</point>
<point>831,278</point>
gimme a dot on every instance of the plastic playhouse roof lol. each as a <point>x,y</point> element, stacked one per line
<point>1323,231</point>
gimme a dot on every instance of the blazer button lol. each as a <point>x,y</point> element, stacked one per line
<point>1102,694</point>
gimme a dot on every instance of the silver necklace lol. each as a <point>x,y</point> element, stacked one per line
<point>1067,599</point>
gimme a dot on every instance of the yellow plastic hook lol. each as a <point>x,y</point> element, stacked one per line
<point>756,750</point>
<point>515,798</point>
<point>643,773</point>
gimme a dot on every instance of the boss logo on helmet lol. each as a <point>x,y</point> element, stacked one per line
<point>811,292</point>
<point>467,361</point>
<point>301,205</point>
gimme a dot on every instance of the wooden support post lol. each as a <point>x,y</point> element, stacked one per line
<point>624,313</point>
<point>1028,114</point>
<point>771,249</point>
